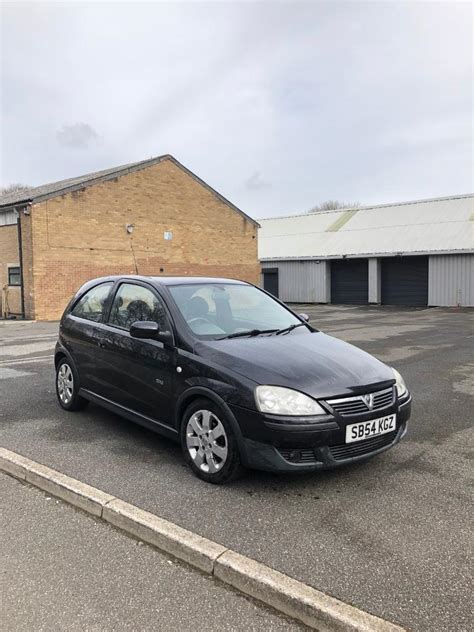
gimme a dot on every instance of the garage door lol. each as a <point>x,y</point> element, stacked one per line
<point>405,281</point>
<point>270,280</point>
<point>350,281</point>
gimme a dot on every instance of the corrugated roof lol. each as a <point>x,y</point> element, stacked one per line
<point>53,189</point>
<point>434,225</point>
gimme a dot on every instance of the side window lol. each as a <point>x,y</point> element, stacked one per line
<point>91,305</point>
<point>135,302</point>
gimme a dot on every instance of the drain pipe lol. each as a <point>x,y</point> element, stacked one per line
<point>20,253</point>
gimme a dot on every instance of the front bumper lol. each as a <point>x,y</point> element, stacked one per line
<point>293,447</point>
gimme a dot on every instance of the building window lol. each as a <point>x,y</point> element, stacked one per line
<point>14,276</point>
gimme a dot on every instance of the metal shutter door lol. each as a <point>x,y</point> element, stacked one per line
<point>270,280</point>
<point>405,281</point>
<point>350,281</point>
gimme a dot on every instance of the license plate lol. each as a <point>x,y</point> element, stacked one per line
<point>372,428</point>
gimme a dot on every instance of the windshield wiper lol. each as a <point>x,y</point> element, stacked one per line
<point>251,332</point>
<point>290,328</point>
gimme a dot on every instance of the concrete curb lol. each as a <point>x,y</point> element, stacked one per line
<point>74,492</point>
<point>69,489</point>
<point>16,321</point>
<point>167,536</point>
<point>290,596</point>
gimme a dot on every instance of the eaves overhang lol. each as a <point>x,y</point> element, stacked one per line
<point>369,255</point>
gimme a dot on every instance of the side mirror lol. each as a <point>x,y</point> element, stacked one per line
<point>304,317</point>
<point>149,330</point>
<point>144,329</point>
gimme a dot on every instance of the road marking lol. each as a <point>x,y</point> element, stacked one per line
<point>24,350</point>
<point>32,337</point>
<point>26,360</point>
<point>6,374</point>
<point>290,596</point>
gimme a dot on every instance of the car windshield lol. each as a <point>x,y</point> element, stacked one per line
<point>217,310</point>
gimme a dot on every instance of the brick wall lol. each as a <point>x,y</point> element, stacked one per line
<point>9,255</point>
<point>82,235</point>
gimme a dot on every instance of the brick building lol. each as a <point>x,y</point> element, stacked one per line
<point>152,217</point>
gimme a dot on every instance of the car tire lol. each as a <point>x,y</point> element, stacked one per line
<point>209,444</point>
<point>67,386</point>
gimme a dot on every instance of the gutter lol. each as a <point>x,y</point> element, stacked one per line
<point>369,255</point>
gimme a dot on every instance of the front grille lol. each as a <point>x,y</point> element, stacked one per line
<point>350,450</point>
<point>355,405</point>
<point>295,455</point>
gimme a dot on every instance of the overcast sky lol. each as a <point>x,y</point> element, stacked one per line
<point>278,106</point>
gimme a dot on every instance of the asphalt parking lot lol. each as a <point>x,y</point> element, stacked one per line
<point>391,536</point>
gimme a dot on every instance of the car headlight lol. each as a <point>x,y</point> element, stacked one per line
<point>285,401</point>
<point>399,383</point>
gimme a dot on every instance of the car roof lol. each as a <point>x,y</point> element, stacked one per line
<point>168,280</point>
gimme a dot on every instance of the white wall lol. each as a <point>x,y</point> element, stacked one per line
<point>302,281</point>
<point>451,280</point>
<point>375,281</point>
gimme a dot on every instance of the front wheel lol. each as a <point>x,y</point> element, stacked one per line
<point>209,444</point>
<point>67,387</point>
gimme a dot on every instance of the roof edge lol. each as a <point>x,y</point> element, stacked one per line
<point>369,255</point>
<point>122,171</point>
<point>460,196</point>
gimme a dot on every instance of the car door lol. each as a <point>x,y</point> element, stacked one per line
<point>134,373</point>
<point>80,329</point>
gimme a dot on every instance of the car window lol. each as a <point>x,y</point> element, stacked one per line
<point>135,302</point>
<point>91,305</point>
<point>212,310</point>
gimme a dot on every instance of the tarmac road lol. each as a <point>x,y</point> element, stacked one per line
<point>391,536</point>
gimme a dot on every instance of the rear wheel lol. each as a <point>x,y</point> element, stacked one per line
<point>67,387</point>
<point>209,444</point>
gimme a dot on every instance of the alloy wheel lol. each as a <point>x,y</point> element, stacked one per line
<point>206,440</point>
<point>65,382</point>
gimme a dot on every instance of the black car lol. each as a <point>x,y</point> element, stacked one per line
<point>229,371</point>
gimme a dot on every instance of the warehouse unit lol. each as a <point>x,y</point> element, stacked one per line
<point>412,253</point>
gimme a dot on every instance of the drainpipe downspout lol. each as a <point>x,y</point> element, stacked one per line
<point>20,252</point>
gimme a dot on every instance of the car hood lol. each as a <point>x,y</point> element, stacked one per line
<point>314,363</point>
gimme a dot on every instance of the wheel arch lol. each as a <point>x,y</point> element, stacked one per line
<point>200,392</point>
<point>58,356</point>
<point>61,353</point>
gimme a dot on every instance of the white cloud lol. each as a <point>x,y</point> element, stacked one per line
<point>256,182</point>
<point>361,100</point>
<point>78,135</point>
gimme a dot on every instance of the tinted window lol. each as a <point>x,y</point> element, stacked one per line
<point>91,305</point>
<point>217,309</point>
<point>135,302</point>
